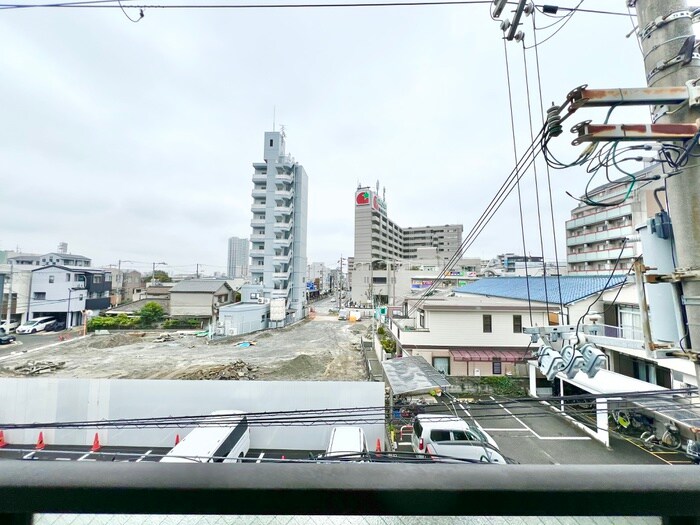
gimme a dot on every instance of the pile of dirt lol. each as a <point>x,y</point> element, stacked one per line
<point>236,371</point>
<point>113,340</point>
<point>303,367</point>
<point>345,367</point>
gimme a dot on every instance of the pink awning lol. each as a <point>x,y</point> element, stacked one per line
<point>491,354</point>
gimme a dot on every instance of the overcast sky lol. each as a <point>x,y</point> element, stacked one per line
<point>134,141</point>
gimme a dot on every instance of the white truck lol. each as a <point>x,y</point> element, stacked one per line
<point>450,437</point>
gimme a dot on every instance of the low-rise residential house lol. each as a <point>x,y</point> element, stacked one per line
<point>470,336</point>
<point>124,284</point>
<point>66,293</point>
<point>64,259</point>
<point>482,324</point>
<point>200,298</point>
<point>151,291</point>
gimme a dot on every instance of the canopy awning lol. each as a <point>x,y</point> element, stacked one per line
<point>413,375</point>
<point>511,354</point>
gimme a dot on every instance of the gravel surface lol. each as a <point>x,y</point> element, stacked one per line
<point>321,348</point>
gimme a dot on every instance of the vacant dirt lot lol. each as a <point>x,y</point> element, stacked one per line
<point>322,348</point>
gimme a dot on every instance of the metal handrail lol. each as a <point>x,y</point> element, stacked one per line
<point>29,487</point>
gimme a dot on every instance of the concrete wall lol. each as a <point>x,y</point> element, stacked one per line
<point>191,304</point>
<point>50,400</point>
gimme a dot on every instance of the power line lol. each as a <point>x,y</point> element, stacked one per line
<point>113,4</point>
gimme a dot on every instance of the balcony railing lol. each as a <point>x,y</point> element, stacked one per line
<point>343,489</point>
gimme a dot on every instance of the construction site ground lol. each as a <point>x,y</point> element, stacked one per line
<point>317,348</point>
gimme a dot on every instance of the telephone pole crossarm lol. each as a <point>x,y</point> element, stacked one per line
<point>588,132</point>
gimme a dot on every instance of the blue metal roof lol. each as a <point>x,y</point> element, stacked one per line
<point>573,288</point>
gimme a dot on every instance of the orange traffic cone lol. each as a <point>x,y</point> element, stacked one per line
<point>379,445</point>
<point>2,439</point>
<point>40,443</point>
<point>177,438</point>
<point>96,443</point>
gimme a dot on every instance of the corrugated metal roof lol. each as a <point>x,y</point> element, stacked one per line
<point>573,288</point>
<point>199,285</point>
<point>413,375</point>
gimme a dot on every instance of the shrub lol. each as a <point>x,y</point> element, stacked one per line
<point>120,321</point>
<point>503,386</point>
<point>381,330</point>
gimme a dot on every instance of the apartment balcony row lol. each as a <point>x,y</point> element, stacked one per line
<point>257,223</point>
<point>283,226</point>
<point>260,176</point>
<point>282,211</point>
<point>601,255</point>
<point>619,232</point>
<point>600,216</point>
<point>258,237</point>
<point>258,207</point>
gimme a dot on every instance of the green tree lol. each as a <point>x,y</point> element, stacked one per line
<point>151,313</point>
<point>160,275</point>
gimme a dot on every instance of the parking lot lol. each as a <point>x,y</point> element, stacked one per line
<point>529,432</point>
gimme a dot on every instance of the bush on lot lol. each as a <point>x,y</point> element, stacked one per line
<point>503,386</point>
<point>182,323</point>
<point>380,330</point>
<point>114,322</point>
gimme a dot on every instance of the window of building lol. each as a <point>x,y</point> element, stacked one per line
<point>51,278</point>
<point>517,324</point>
<point>486,321</point>
<point>496,367</point>
<point>96,279</point>
<point>442,365</point>
<point>39,296</point>
<point>421,319</point>
<point>108,277</point>
<point>270,142</point>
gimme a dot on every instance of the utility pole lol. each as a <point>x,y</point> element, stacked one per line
<point>9,296</point>
<point>197,273</point>
<point>340,280</point>
<point>664,27</point>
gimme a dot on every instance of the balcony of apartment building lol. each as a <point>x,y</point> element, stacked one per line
<point>283,176</point>
<point>284,225</point>
<point>284,192</point>
<point>282,256</point>
<point>258,206</point>
<point>258,236</point>
<point>605,233</point>
<point>260,174</point>
<point>284,209</point>
<point>258,220</point>
<point>283,241</point>
<point>257,250</point>
<point>259,192</point>
<point>601,252</point>
<point>596,215</point>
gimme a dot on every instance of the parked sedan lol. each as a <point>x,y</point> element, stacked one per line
<point>7,339</point>
<point>55,326</point>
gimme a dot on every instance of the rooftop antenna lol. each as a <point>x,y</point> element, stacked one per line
<point>377,185</point>
<point>274,115</point>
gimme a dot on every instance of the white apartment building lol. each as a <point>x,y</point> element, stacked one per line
<point>595,234</point>
<point>278,240</point>
<point>238,257</point>
<point>377,237</point>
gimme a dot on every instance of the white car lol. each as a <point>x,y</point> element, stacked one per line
<point>451,436</point>
<point>9,327</point>
<point>38,324</point>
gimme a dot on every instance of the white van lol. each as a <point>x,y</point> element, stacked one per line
<point>221,439</point>
<point>346,441</point>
